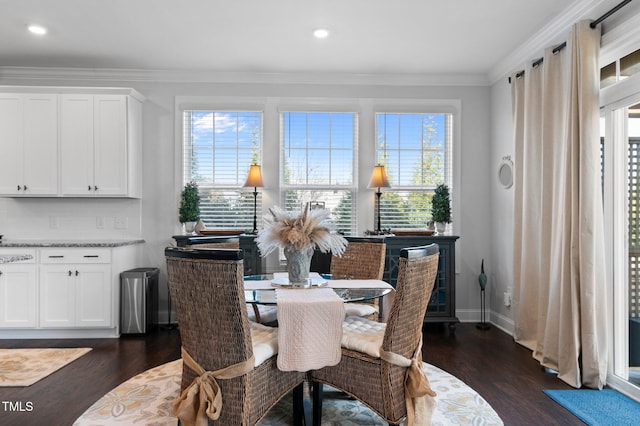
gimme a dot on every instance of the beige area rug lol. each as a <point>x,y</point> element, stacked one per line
<point>146,399</point>
<point>24,367</point>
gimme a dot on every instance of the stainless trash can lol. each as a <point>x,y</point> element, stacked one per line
<point>138,300</point>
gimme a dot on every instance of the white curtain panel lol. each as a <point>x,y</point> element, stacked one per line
<point>559,300</point>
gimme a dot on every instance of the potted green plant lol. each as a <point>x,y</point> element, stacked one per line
<point>441,207</point>
<point>189,212</point>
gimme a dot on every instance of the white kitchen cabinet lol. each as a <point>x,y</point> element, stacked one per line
<point>75,296</point>
<point>70,141</point>
<point>29,148</point>
<point>71,290</point>
<point>18,294</point>
<point>100,147</point>
<point>75,288</point>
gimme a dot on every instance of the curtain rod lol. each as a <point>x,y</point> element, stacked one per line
<point>558,48</point>
<point>609,13</point>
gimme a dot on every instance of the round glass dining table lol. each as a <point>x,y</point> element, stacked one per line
<point>267,296</point>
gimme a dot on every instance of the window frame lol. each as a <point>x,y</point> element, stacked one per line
<point>328,107</point>
<point>364,154</point>
<point>453,107</point>
<point>184,104</point>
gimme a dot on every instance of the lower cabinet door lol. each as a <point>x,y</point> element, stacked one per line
<point>57,296</point>
<point>93,296</point>
<point>18,298</point>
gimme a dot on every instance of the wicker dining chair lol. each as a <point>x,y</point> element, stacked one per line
<point>263,314</point>
<point>363,259</point>
<point>362,373</point>
<point>207,288</point>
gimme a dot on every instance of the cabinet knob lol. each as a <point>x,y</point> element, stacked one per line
<point>77,273</point>
<point>89,188</point>
<point>95,188</point>
<point>70,273</point>
<point>25,187</point>
<point>19,187</point>
<point>0,273</point>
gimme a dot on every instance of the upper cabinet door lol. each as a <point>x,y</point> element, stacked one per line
<point>10,142</point>
<point>40,145</point>
<point>76,145</point>
<point>29,144</point>
<point>110,145</point>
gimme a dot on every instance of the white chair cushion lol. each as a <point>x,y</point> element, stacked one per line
<point>360,309</point>
<point>363,335</point>
<point>268,313</point>
<point>265,342</point>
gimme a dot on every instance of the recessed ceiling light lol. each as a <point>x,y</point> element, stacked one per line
<point>320,33</point>
<point>37,29</point>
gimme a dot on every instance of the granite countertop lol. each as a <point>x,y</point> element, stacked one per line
<point>69,243</point>
<point>8,258</point>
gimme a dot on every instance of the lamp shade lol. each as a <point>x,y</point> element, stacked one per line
<point>254,178</point>
<point>379,178</point>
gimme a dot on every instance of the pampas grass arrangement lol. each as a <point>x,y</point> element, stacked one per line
<point>300,231</point>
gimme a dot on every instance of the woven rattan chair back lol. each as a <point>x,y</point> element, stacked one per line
<point>363,259</point>
<point>374,381</point>
<point>207,288</point>
<point>417,271</point>
<point>207,291</point>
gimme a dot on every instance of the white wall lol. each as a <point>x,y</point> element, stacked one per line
<point>154,218</point>
<point>500,273</point>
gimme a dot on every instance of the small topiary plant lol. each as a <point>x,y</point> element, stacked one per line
<point>441,205</point>
<point>190,203</point>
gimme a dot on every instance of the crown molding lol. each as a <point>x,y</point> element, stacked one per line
<point>555,32</point>
<point>74,75</point>
<point>102,90</point>
<point>620,40</point>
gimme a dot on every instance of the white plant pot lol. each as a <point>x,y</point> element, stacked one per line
<point>189,228</point>
<point>440,227</point>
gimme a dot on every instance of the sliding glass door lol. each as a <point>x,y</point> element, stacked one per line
<point>621,191</point>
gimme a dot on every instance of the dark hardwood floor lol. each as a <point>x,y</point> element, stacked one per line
<point>501,371</point>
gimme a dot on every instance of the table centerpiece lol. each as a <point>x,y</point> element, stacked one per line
<point>299,234</point>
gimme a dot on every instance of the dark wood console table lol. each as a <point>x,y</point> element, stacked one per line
<point>442,305</point>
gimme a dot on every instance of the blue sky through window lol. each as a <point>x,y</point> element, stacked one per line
<point>224,145</point>
<point>318,148</point>
<point>412,147</point>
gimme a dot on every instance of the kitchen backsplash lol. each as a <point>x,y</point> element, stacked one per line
<point>78,218</point>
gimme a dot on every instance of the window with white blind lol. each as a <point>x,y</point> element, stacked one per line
<point>416,150</point>
<point>219,147</point>
<point>317,163</point>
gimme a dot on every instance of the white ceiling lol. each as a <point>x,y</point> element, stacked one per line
<point>379,37</point>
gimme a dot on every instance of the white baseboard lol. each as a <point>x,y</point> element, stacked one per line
<point>52,333</point>
<point>502,322</point>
